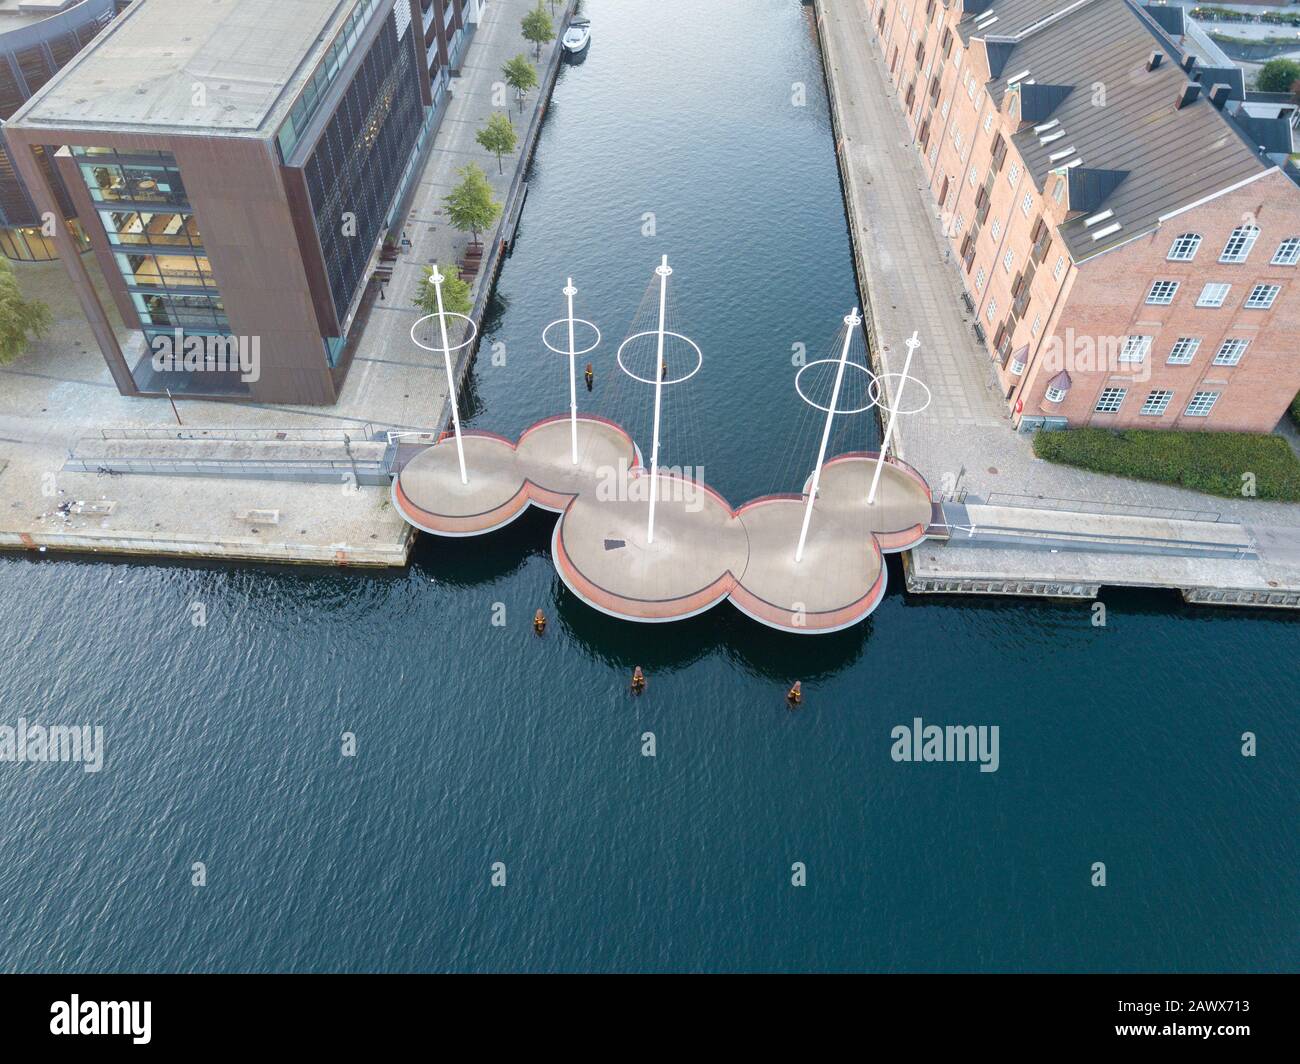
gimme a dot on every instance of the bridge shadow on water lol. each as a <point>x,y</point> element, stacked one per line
<point>760,650</point>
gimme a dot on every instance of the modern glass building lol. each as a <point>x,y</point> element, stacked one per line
<point>236,186</point>
<point>37,39</point>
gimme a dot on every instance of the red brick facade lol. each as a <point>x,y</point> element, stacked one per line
<point>1040,311</point>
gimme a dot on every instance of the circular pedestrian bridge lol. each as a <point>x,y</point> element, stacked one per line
<point>703,550</point>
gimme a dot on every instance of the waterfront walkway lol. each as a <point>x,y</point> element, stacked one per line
<point>387,365</point>
<point>964,440</point>
<point>60,391</point>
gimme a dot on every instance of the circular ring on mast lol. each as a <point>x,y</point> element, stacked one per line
<point>576,321</point>
<point>699,356</point>
<point>473,332</point>
<point>798,387</point>
<point>877,387</point>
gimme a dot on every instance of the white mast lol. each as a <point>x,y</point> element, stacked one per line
<point>570,292</point>
<point>912,344</point>
<point>437,279</point>
<point>663,270</point>
<point>850,322</point>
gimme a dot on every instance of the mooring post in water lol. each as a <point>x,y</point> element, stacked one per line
<point>851,321</point>
<point>437,279</point>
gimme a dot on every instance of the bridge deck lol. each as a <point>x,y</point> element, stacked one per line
<point>703,550</point>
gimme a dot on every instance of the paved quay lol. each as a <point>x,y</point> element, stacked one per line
<point>58,398</point>
<point>964,441</point>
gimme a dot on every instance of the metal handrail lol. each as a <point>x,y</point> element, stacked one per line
<point>1043,502</point>
<point>314,435</point>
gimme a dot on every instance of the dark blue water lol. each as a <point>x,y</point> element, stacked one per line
<point>479,744</point>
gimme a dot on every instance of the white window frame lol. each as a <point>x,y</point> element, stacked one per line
<point>1287,253</point>
<point>979,279</point>
<point>991,311</point>
<point>1230,351</point>
<point>1156,402</point>
<point>1135,349</point>
<point>1162,293</point>
<point>1197,406</point>
<point>1013,174</point>
<point>1239,244</point>
<point>1009,261</point>
<point>1262,297</point>
<point>995,229</point>
<point>1059,268</point>
<point>1038,324</point>
<point>1110,400</point>
<point>1054,395</point>
<point>1184,247</point>
<point>1027,204</point>
<point>1017,367</point>
<point>1176,357</point>
<point>1214,294</point>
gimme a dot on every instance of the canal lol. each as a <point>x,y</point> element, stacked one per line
<point>700,131</point>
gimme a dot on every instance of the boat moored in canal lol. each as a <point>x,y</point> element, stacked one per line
<point>577,36</point>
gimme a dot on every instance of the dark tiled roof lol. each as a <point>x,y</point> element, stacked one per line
<point>1090,188</point>
<point>1007,19</point>
<point>1169,17</point>
<point>1271,134</point>
<point>1233,77</point>
<point>1038,101</point>
<point>1121,118</point>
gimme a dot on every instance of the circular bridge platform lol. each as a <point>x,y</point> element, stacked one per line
<point>703,550</point>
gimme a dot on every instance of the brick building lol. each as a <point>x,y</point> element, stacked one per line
<point>1125,216</point>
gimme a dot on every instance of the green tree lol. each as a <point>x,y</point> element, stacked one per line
<point>498,137</point>
<point>21,319</point>
<point>537,27</point>
<point>470,206</point>
<point>521,76</point>
<point>1278,75</point>
<point>455,292</point>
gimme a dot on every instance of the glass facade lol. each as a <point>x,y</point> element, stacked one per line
<point>28,243</point>
<point>31,53</point>
<point>158,246</point>
<point>306,106</point>
<point>355,169</point>
<point>144,177</point>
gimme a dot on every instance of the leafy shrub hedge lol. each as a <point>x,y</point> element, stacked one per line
<point>1213,462</point>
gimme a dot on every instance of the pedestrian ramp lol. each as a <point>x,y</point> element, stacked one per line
<point>309,456</point>
<point>979,525</point>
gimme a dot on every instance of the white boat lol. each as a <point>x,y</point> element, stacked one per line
<point>577,36</point>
